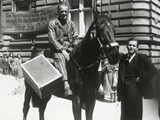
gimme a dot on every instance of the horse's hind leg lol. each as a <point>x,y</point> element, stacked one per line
<point>76,107</point>
<point>90,104</point>
<point>25,109</point>
<point>27,97</point>
<point>43,107</point>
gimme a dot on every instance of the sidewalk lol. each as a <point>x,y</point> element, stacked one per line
<point>60,109</point>
<point>150,109</point>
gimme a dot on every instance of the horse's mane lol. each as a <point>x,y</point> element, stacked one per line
<point>103,20</point>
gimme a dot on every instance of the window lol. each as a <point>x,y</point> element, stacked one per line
<point>22,6</point>
<point>81,15</point>
<point>74,4</point>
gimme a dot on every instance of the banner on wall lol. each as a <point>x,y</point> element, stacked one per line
<point>32,21</point>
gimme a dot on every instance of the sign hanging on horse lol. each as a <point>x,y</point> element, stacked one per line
<point>43,77</point>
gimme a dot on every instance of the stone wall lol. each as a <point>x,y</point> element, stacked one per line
<point>138,19</point>
<point>132,18</point>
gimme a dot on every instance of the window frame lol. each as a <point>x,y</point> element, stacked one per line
<point>15,6</point>
<point>81,25</point>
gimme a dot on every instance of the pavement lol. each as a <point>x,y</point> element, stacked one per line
<point>12,97</point>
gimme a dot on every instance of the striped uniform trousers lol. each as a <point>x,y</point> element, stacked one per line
<point>60,64</point>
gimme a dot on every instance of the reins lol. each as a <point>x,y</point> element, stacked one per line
<point>113,44</point>
<point>81,66</point>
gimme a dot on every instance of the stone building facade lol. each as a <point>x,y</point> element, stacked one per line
<point>132,18</point>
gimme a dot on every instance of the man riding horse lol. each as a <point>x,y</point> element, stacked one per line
<point>62,36</point>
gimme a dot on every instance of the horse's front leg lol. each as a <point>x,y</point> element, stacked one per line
<point>90,105</point>
<point>26,107</point>
<point>76,107</point>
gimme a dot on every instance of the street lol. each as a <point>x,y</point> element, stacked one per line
<point>12,96</point>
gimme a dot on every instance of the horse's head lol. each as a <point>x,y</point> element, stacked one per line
<point>105,36</point>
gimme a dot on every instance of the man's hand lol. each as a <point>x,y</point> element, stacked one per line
<point>66,55</point>
<point>137,79</point>
<point>50,60</point>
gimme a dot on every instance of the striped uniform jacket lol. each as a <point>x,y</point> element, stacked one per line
<point>59,42</point>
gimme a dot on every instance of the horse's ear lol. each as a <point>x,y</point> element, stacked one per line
<point>96,13</point>
<point>109,14</point>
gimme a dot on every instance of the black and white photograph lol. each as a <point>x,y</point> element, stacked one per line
<point>80,59</point>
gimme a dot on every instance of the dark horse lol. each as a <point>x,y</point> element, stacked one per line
<point>84,62</point>
<point>83,69</point>
<point>30,94</point>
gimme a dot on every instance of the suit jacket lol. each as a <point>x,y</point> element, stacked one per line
<point>144,69</point>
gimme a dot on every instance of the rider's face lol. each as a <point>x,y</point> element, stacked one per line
<point>63,12</point>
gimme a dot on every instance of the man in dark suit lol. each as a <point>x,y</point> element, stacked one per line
<point>134,82</point>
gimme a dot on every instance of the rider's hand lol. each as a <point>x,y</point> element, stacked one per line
<point>137,79</point>
<point>66,54</point>
<point>50,60</point>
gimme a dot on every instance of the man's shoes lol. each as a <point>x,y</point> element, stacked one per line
<point>68,92</point>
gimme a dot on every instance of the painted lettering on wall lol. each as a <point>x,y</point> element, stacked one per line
<point>32,21</point>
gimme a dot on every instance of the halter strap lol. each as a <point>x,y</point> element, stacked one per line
<point>81,66</point>
<point>113,44</point>
<point>101,45</point>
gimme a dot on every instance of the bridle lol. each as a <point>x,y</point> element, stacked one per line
<point>80,67</point>
<point>101,49</point>
<point>112,44</point>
